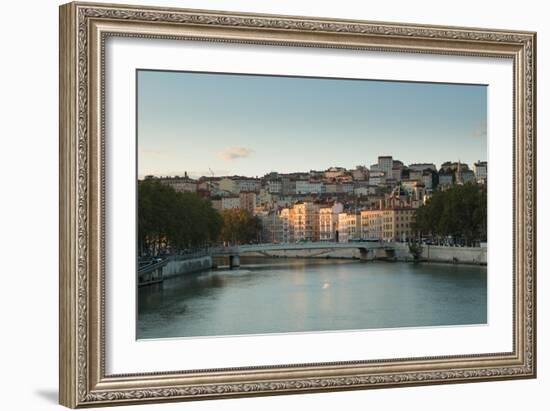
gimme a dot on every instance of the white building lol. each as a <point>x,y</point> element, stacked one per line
<point>348,188</point>
<point>328,221</point>
<point>376,178</point>
<point>236,185</point>
<point>275,186</point>
<point>231,202</point>
<point>286,233</point>
<point>264,197</point>
<point>283,201</point>
<point>229,185</point>
<point>480,171</point>
<point>332,188</point>
<point>361,191</point>
<point>180,184</point>
<point>249,185</point>
<point>309,187</point>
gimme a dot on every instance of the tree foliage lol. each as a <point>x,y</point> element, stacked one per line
<point>239,226</point>
<point>167,218</point>
<point>459,212</point>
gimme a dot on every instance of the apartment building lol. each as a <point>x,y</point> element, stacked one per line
<point>328,221</point>
<point>309,187</point>
<point>349,227</point>
<point>388,224</point>
<point>230,202</point>
<point>371,224</point>
<point>304,221</point>
<point>247,200</point>
<point>180,184</point>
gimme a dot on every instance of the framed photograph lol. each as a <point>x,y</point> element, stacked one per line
<point>260,204</point>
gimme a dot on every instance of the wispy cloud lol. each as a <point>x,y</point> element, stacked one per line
<point>233,153</point>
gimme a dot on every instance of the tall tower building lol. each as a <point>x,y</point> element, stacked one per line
<point>385,164</point>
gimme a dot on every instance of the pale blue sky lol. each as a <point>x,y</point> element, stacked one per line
<point>251,125</point>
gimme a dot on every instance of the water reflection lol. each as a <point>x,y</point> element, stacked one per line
<point>295,295</point>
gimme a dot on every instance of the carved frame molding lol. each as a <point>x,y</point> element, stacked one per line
<point>84,27</point>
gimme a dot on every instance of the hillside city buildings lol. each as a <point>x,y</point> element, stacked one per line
<point>337,204</point>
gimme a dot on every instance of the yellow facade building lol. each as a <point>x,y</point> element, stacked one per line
<point>304,221</point>
<point>393,224</point>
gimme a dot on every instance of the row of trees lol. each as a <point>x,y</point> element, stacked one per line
<point>169,219</point>
<point>239,226</point>
<point>459,212</point>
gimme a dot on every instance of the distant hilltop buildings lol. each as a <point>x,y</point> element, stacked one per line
<point>336,204</point>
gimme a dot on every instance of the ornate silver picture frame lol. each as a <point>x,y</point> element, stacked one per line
<point>84,30</point>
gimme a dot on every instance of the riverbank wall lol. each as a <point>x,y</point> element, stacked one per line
<point>175,265</point>
<point>463,255</point>
<point>430,253</point>
<point>178,266</point>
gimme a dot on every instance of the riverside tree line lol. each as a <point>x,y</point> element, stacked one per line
<point>459,213</point>
<point>170,220</point>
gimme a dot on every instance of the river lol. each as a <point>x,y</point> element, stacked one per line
<point>296,295</point>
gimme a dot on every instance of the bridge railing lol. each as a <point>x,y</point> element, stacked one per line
<point>296,246</point>
<point>152,265</point>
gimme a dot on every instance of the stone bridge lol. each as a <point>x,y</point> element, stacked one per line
<point>234,252</point>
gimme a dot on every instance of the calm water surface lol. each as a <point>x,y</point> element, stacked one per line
<point>296,295</point>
